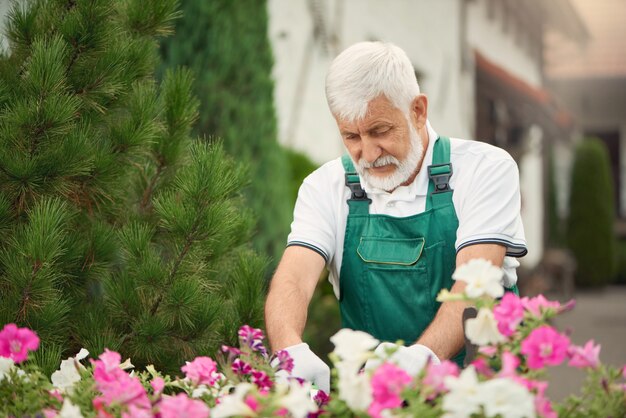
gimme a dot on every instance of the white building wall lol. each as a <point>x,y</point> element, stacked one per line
<point>427,30</point>
<point>497,43</point>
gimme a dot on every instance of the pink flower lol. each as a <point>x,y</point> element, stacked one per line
<point>15,343</point>
<point>157,385</point>
<point>136,412</point>
<point>241,368</point>
<point>116,386</point>
<point>582,357</point>
<point>202,370</point>
<point>253,338</point>
<point>262,380</point>
<point>488,350</point>
<point>508,313</point>
<point>388,382</point>
<point>482,367</point>
<point>321,398</point>
<point>539,304</point>
<point>285,362</point>
<point>544,347</point>
<point>436,373</point>
<point>50,413</point>
<point>180,406</point>
<point>252,403</point>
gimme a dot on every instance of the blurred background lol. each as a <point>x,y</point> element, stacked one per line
<point>543,79</point>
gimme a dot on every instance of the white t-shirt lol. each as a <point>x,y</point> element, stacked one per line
<point>486,198</point>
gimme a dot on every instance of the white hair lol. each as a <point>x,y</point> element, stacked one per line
<point>365,71</point>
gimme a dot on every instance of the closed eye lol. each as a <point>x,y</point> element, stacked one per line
<point>380,131</point>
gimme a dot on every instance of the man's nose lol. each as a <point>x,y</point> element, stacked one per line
<point>371,151</point>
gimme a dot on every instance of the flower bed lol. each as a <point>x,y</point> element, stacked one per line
<point>506,378</point>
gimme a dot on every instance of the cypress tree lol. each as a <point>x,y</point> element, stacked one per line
<point>590,223</point>
<point>226,44</point>
<point>119,230</point>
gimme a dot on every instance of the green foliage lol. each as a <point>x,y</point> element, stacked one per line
<point>119,230</point>
<point>555,223</point>
<point>225,42</point>
<point>300,166</point>
<point>590,224</point>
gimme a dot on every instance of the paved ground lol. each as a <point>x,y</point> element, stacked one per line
<point>598,315</point>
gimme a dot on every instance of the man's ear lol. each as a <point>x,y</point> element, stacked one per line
<point>419,110</point>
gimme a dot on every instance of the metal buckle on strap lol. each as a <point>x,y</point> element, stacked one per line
<point>440,177</point>
<point>357,192</point>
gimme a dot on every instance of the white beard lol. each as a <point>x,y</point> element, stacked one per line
<point>404,169</point>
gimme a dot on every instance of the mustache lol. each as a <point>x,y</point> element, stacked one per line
<point>379,162</point>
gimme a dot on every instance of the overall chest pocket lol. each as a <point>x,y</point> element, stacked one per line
<point>391,251</point>
<point>395,288</point>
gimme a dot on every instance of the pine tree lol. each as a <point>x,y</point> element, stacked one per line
<point>118,229</point>
<point>226,44</point>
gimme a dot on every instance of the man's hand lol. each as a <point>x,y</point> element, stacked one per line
<point>412,359</point>
<point>307,365</point>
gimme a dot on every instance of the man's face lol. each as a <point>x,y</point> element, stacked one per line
<point>384,145</point>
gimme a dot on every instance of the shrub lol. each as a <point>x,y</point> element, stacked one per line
<point>590,224</point>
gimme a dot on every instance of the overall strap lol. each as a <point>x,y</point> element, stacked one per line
<point>358,202</point>
<point>439,173</point>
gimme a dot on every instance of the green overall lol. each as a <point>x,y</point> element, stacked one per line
<point>393,268</point>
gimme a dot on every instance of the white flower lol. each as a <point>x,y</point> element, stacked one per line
<point>69,372</point>
<point>233,405</point>
<point>353,346</point>
<point>506,398</point>
<point>482,278</point>
<point>483,330</point>
<point>462,400</point>
<point>6,364</point>
<point>69,410</point>
<point>298,400</point>
<point>354,387</point>
<point>127,365</point>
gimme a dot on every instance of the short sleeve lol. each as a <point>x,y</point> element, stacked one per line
<point>490,208</point>
<point>314,220</point>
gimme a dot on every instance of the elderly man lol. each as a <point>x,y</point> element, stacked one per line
<point>392,219</point>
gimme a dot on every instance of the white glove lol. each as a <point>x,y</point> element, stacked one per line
<point>411,359</point>
<point>308,366</point>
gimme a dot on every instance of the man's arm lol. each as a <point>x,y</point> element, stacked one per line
<point>444,336</point>
<point>290,292</point>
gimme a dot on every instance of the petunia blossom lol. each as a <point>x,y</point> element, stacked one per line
<point>297,401</point>
<point>253,338</point>
<point>539,304</point>
<point>181,406</point>
<point>15,343</point>
<point>544,346</point>
<point>115,384</point>
<point>462,398</point>
<point>482,278</point>
<point>506,398</point>
<point>353,347</point>
<point>202,370</point>
<point>285,362</point>
<point>508,313</point>
<point>69,372</point>
<point>388,382</point>
<point>435,375</point>
<point>586,356</point>
<point>483,329</point>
